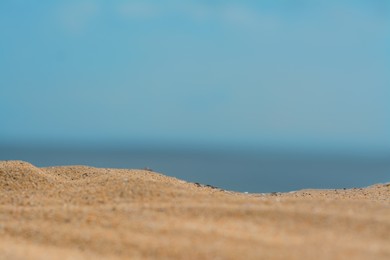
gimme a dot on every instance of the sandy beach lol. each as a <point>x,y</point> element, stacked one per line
<point>80,212</point>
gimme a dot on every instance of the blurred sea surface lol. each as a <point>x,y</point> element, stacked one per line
<point>254,171</point>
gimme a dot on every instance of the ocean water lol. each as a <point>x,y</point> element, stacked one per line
<point>254,171</point>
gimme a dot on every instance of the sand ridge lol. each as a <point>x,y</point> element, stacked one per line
<point>81,212</point>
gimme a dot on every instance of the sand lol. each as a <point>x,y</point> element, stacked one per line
<point>79,212</point>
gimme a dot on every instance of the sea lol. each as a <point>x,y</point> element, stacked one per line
<point>242,170</point>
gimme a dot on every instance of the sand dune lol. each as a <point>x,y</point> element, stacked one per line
<point>79,212</point>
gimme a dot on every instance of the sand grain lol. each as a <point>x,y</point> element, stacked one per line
<point>79,212</point>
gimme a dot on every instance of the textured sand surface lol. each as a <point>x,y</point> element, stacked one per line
<point>79,212</point>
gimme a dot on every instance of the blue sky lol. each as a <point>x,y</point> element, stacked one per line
<point>275,73</point>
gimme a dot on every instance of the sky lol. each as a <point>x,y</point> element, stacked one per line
<point>260,73</point>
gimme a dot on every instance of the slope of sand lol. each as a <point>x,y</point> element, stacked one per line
<point>80,212</point>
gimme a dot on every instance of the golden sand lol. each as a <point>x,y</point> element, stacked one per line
<point>79,212</point>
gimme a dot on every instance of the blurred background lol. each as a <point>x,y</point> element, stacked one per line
<point>254,96</point>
